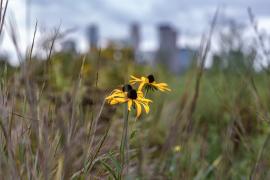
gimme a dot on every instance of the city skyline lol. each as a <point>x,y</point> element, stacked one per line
<point>113,18</point>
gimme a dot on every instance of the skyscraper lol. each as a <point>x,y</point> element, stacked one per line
<point>135,39</point>
<point>167,44</point>
<point>93,36</point>
<point>135,35</point>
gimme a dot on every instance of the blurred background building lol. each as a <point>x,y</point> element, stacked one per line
<point>135,39</point>
<point>167,49</point>
<point>93,36</point>
<point>69,45</point>
<point>169,54</point>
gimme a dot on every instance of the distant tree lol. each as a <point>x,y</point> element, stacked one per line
<point>235,53</point>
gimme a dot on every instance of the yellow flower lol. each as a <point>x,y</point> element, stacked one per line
<point>149,83</point>
<point>117,93</point>
<point>131,97</point>
<point>177,148</point>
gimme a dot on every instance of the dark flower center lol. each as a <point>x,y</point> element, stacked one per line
<point>151,78</point>
<point>132,94</point>
<point>126,88</point>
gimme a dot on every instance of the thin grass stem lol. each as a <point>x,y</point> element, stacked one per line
<point>124,148</point>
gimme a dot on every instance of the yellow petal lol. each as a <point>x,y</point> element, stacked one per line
<point>142,99</point>
<point>120,100</point>
<point>116,93</point>
<point>141,86</point>
<point>138,108</point>
<point>165,88</point>
<point>113,102</point>
<point>146,108</point>
<point>139,93</point>
<point>161,86</point>
<point>132,82</point>
<point>129,104</point>
<point>145,80</point>
<point>135,78</point>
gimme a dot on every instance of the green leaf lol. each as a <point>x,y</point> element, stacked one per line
<point>116,163</point>
<point>133,134</point>
<point>109,168</point>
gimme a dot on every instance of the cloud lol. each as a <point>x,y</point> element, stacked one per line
<point>190,17</point>
<point>122,12</point>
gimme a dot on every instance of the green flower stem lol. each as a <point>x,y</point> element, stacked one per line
<point>124,148</point>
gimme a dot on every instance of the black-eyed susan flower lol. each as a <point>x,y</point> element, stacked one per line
<point>149,83</point>
<point>132,97</point>
<point>118,93</point>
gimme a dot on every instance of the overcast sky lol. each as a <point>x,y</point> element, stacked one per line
<point>189,17</point>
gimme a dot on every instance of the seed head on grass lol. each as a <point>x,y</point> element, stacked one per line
<point>149,83</point>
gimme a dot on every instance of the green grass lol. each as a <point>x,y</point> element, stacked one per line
<point>228,124</point>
